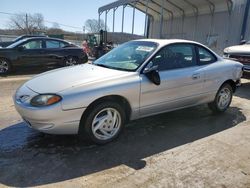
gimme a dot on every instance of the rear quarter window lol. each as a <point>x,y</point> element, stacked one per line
<point>205,56</point>
<point>52,44</point>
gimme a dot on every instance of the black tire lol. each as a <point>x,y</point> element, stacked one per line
<point>71,61</point>
<point>214,106</point>
<point>5,66</point>
<point>86,127</point>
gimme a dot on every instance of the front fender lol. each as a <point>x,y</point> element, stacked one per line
<point>83,96</point>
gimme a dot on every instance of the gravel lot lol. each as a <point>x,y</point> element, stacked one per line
<point>185,148</point>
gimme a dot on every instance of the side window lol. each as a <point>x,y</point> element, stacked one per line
<point>52,44</point>
<point>35,44</point>
<point>205,57</point>
<point>62,44</point>
<point>175,56</point>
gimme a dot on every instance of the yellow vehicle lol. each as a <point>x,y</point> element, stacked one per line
<point>98,44</point>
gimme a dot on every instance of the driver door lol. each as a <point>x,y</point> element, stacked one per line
<point>182,81</point>
<point>32,53</point>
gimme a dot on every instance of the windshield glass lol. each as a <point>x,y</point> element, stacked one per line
<point>128,56</point>
<point>16,43</point>
<point>17,39</point>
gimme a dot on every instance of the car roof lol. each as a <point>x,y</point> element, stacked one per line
<point>27,36</point>
<point>163,42</point>
<point>48,38</point>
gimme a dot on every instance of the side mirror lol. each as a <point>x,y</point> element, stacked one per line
<point>153,75</point>
<point>149,68</point>
<point>20,48</point>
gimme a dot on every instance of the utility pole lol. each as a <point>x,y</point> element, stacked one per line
<point>26,22</point>
<point>83,32</point>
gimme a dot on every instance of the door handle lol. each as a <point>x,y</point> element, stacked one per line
<point>196,76</point>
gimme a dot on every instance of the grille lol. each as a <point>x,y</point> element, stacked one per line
<point>241,58</point>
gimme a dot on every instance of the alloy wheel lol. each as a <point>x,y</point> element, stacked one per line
<point>224,98</point>
<point>4,66</point>
<point>106,123</point>
<point>71,61</point>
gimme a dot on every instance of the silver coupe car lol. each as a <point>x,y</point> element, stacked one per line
<point>137,79</point>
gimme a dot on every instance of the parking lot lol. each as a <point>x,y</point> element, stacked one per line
<point>185,148</point>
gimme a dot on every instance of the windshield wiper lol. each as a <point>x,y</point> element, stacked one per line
<point>102,65</point>
<point>110,67</point>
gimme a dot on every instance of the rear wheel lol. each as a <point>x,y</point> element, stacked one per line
<point>103,123</point>
<point>5,66</point>
<point>223,99</point>
<point>70,61</point>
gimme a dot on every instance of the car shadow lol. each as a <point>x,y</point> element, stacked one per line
<point>246,75</point>
<point>29,158</point>
<point>28,71</point>
<point>33,70</point>
<point>243,91</point>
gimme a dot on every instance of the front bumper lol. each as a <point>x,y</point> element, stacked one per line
<point>241,59</point>
<point>50,119</point>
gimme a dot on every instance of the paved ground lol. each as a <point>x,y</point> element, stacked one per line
<point>186,148</point>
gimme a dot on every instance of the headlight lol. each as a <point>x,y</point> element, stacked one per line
<point>45,100</point>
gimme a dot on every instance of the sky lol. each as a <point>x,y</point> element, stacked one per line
<point>71,12</point>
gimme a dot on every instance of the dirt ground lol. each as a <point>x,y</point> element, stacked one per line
<point>186,148</point>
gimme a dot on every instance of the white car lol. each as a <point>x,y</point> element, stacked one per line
<point>239,53</point>
<point>137,79</point>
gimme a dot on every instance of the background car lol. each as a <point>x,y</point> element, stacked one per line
<point>240,53</point>
<point>137,79</point>
<point>40,51</point>
<point>7,43</point>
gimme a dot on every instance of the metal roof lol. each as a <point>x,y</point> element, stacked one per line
<point>173,8</point>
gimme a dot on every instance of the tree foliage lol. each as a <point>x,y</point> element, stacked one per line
<point>55,25</point>
<point>27,23</point>
<point>92,26</point>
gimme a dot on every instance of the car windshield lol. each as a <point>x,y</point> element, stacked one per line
<point>128,56</point>
<point>17,39</point>
<point>16,43</point>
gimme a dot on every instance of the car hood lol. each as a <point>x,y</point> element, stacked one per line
<point>238,49</point>
<point>61,79</point>
<point>5,44</point>
<point>4,49</point>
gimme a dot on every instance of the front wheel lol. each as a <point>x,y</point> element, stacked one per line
<point>103,123</point>
<point>5,66</point>
<point>222,100</point>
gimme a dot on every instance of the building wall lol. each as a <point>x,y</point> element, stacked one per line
<point>217,31</point>
<point>248,27</point>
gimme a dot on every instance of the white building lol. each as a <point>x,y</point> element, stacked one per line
<point>215,23</point>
